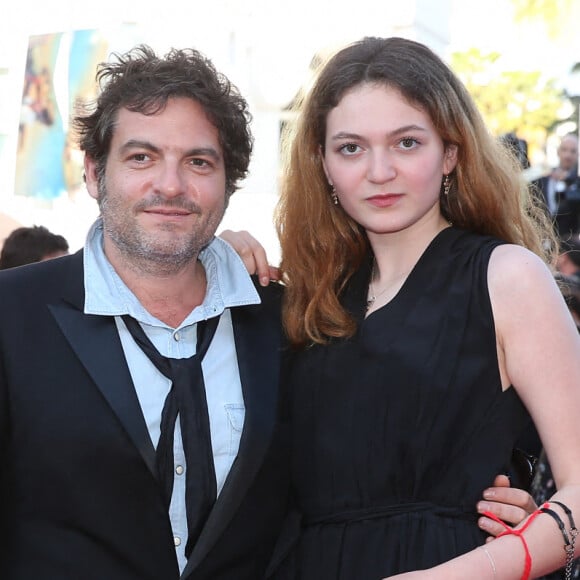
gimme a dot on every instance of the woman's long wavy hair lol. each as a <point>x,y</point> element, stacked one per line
<point>322,246</point>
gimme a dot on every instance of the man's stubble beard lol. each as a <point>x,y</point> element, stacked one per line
<point>154,253</point>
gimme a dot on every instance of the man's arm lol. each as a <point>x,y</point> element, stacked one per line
<point>252,254</point>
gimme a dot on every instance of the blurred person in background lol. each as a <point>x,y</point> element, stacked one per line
<point>559,188</point>
<point>27,245</point>
<point>568,262</point>
<point>519,147</point>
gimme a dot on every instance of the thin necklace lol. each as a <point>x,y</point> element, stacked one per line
<point>374,295</point>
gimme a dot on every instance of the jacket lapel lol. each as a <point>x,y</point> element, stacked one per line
<point>258,344</point>
<point>96,342</point>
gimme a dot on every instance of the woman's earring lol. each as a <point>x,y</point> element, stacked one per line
<point>446,185</point>
<point>333,195</point>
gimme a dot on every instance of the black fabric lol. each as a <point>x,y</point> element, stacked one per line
<point>398,429</point>
<point>567,216</point>
<point>187,399</point>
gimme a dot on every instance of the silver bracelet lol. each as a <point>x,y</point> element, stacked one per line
<point>491,561</point>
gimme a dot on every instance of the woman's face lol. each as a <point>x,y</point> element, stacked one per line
<point>385,159</point>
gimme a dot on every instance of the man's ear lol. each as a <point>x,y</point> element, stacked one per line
<point>91,180</point>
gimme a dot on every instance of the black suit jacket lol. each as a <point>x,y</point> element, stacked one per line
<point>567,217</point>
<point>79,497</point>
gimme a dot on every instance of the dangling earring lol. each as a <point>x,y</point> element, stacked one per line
<point>333,195</point>
<point>446,185</point>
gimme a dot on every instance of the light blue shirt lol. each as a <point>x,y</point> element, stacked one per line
<point>228,286</point>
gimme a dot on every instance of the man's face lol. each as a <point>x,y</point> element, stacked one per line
<point>162,195</point>
<point>568,152</point>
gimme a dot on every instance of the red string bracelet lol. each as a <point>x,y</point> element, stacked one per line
<point>511,532</point>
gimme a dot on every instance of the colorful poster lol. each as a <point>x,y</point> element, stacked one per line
<point>60,70</point>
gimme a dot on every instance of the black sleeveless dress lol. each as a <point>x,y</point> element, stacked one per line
<point>397,430</point>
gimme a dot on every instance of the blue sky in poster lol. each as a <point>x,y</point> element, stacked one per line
<point>41,137</point>
<point>60,70</point>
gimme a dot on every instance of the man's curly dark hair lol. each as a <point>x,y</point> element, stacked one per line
<point>142,82</point>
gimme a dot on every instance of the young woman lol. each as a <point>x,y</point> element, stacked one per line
<point>425,326</point>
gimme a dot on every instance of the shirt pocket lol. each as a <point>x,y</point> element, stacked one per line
<point>235,413</point>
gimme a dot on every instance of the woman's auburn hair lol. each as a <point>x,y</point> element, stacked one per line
<point>322,246</point>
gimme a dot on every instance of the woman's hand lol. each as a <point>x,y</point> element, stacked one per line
<point>509,504</point>
<point>252,254</point>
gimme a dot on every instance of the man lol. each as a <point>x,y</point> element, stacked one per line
<point>82,408</point>
<point>28,245</point>
<point>560,188</point>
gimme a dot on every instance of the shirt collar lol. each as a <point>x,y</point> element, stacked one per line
<point>228,283</point>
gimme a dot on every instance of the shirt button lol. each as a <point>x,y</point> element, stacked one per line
<point>177,541</point>
<point>179,469</point>
<point>176,336</point>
